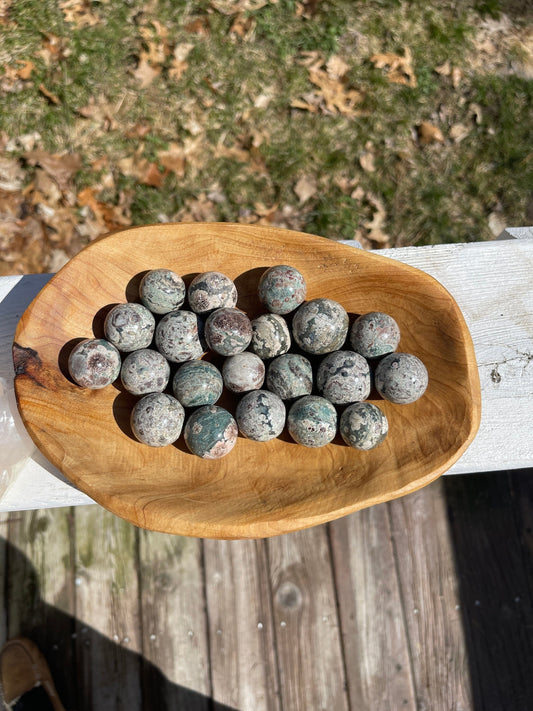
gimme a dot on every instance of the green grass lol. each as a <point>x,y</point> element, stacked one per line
<point>435,193</point>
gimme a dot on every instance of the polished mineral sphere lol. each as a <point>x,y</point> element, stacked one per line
<point>261,415</point>
<point>320,326</point>
<point>94,363</point>
<point>157,419</point>
<point>210,291</point>
<point>270,336</point>
<point>178,336</point>
<point>162,291</point>
<point>363,425</point>
<point>210,432</point>
<point>228,331</point>
<point>290,376</point>
<point>129,327</point>
<point>145,371</point>
<point>197,383</point>
<point>343,377</point>
<point>243,372</point>
<point>401,378</point>
<point>312,421</point>
<point>282,289</point>
<point>374,334</point>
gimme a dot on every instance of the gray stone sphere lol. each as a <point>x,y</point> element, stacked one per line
<point>320,326</point>
<point>162,291</point>
<point>210,291</point>
<point>228,331</point>
<point>290,376</point>
<point>211,432</point>
<point>261,415</point>
<point>374,334</point>
<point>145,371</point>
<point>129,327</point>
<point>178,336</point>
<point>197,383</point>
<point>363,425</point>
<point>312,421</point>
<point>94,363</point>
<point>282,289</point>
<point>270,336</point>
<point>157,419</point>
<point>344,377</point>
<point>401,378</point>
<point>243,372</point>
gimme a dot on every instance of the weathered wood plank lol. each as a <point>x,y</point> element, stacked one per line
<point>376,650</point>
<point>4,523</point>
<point>175,667</point>
<point>239,610</point>
<point>496,597</point>
<point>431,602</point>
<point>107,610</point>
<point>310,659</point>
<point>40,589</point>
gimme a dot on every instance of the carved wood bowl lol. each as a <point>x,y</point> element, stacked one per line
<point>259,489</point>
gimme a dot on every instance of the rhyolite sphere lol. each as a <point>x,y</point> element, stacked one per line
<point>178,336</point>
<point>374,334</point>
<point>320,326</point>
<point>211,432</point>
<point>312,421</point>
<point>290,376</point>
<point>270,336</point>
<point>129,327</point>
<point>260,415</point>
<point>243,372</point>
<point>145,371</point>
<point>162,291</point>
<point>401,378</point>
<point>157,419</point>
<point>228,331</point>
<point>210,291</point>
<point>343,377</point>
<point>197,383</point>
<point>94,363</point>
<point>363,425</point>
<point>282,289</point>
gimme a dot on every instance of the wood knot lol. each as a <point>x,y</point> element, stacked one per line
<point>289,596</point>
<point>26,361</point>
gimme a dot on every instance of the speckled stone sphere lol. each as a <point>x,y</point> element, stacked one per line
<point>243,372</point>
<point>211,290</point>
<point>197,383</point>
<point>363,425</point>
<point>401,378</point>
<point>178,336</point>
<point>343,377</point>
<point>270,336</point>
<point>145,371</point>
<point>282,289</point>
<point>320,326</point>
<point>374,334</point>
<point>261,415</point>
<point>157,419</point>
<point>228,331</point>
<point>94,363</point>
<point>211,432</point>
<point>129,327</point>
<point>312,421</point>
<point>290,376</point>
<point>162,291</point>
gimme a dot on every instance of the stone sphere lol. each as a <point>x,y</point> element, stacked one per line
<point>210,291</point>
<point>363,425</point>
<point>320,326</point>
<point>178,336</point>
<point>228,331</point>
<point>401,378</point>
<point>243,372</point>
<point>343,377</point>
<point>157,419</point>
<point>282,289</point>
<point>312,421</point>
<point>211,432</point>
<point>129,327</point>
<point>197,383</point>
<point>162,291</point>
<point>145,371</point>
<point>261,415</point>
<point>290,376</point>
<point>270,336</point>
<point>374,334</point>
<point>94,363</point>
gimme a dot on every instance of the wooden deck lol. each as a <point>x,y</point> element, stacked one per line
<point>423,603</point>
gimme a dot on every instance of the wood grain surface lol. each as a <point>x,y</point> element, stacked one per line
<point>259,489</point>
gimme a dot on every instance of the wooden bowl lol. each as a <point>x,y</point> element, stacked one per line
<point>259,489</point>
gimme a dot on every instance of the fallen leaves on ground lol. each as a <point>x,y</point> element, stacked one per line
<point>399,69</point>
<point>79,13</point>
<point>305,188</point>
<point>428,133</point>
<point>179,63</point>
<point>376,224</point>
<point>234,7</point>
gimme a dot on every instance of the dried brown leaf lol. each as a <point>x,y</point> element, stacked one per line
<point>428,133</point>
<point>336,67</point>
<point>53,98</point>
<point>5,6</point>
<point>305,188</point>
<point>200,26</point>
<point>399,69</point>
<point>145,73</point>
<point>457,75</point>
<point>173,159</point>
<point>233,7</point>
<point>79,13</point>
<point>366,161</point>
<point>458,132</point>
<point>26,69</point>
<point>444,69</point>
<point>12,174</point>
<point>62,168</point>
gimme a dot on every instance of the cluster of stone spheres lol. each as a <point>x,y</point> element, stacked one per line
<point>257,353</point>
